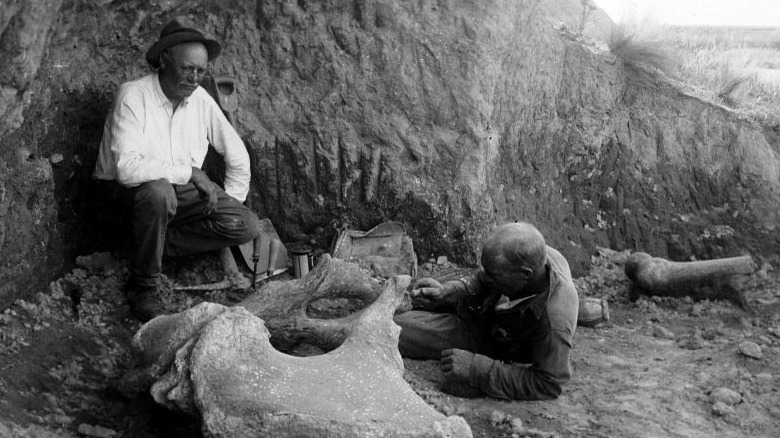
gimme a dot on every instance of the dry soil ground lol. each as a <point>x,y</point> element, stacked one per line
<point>662,367</point>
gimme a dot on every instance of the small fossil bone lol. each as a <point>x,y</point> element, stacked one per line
<point>658,276</point>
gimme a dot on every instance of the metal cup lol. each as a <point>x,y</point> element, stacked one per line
<point>302,261</point>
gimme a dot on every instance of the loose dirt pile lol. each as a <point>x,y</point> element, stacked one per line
<point>660,367</point>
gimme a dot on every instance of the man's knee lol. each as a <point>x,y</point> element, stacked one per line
<point>239,226</point>
<point>156,197</point>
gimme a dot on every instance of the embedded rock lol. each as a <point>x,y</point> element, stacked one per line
<point>24,35</point>
<point>663,332</point>
<point>721,409</point>
<point>751,349</point>
<point>725,395</point>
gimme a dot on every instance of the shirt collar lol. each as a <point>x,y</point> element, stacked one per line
<point>504,303</point>
<point>537,303</point>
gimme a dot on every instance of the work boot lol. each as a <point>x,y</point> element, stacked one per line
<point>145,302</point>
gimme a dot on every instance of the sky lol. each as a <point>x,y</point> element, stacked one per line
<point>696,12</point>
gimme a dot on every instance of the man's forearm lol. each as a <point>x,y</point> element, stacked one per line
<point>455,287</point>
<point>465,286</point>
<point>469,292</point>
<point>511,381</point>
<point>132,171</point>
<point>237,186</point>
<point>228,143</point>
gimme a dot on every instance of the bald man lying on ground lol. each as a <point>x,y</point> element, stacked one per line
<point>506,330</point>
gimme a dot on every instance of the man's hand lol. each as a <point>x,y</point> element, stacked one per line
<point>208,189</point>
<point>456,364</point>
<point>430,294</point>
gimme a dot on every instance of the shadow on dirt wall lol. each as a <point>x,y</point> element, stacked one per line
<point>68,126</point>
<point>68,131</point>
<point>88,221</point>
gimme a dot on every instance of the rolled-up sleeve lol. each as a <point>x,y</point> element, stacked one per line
<point>228,143</point>
<point>471,292</point>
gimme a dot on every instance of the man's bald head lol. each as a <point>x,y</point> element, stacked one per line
<point>519,243</point>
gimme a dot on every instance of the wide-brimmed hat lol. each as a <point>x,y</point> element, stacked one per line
<point>174,33</point>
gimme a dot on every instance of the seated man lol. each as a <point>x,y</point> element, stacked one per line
<point>154,143</point>
<point>512,324</point>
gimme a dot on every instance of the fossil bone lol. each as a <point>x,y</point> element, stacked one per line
<point>219,362</point>
<point>657,276</point>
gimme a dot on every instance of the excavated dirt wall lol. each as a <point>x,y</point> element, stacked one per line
<point>29,241</point>
<point>449,115</point>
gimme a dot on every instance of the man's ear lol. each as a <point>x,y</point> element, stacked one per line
<point>165,59</point>
<point>526,272</point>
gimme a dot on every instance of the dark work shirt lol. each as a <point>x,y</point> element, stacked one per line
<point>530,343</point>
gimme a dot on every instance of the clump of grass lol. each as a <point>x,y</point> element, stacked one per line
<point>735,67</point>
<point>638,47</point>
<point>728,83</point>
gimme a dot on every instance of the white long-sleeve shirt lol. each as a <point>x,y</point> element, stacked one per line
<point>144,139</point>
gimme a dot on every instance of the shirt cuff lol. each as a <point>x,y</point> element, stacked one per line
<point>479,372</point>
<point>237,193</point>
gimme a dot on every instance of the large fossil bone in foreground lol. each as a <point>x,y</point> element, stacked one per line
<point>218,362</point>
<point>657,276</point>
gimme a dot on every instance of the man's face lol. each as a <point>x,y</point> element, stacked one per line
<point>182,68</point>
<point>502,276</point>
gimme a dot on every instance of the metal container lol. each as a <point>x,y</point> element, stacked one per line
<point>302,261</point>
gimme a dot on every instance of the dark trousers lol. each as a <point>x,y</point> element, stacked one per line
<point>424,335</point>
<point>170,219</point>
